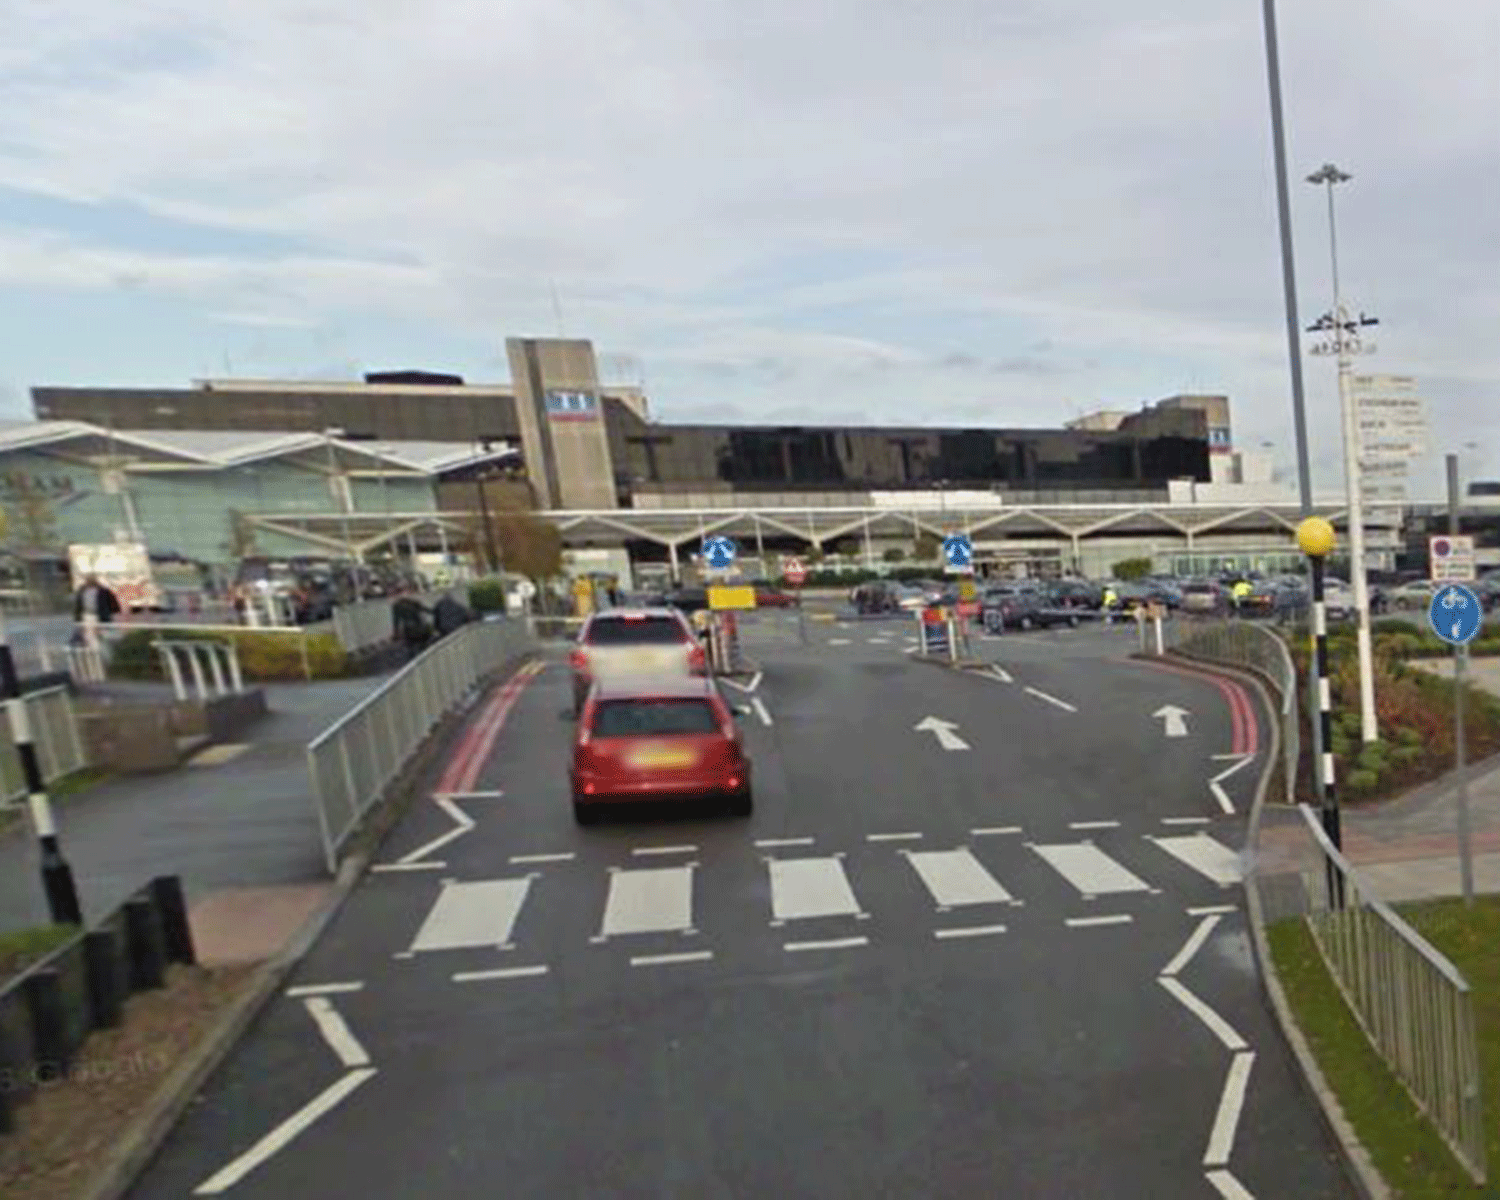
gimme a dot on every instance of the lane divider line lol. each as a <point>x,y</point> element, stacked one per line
<point>830,944</point>
<point>1187,820</point>
<point>1113,919</point>
<point>644,850</point>
<point>463,824</point>
<point>1001,673</point>
<point>995,831</point>
<point>1052,700</point>
<point>759,706</point>
<point>1228,1186</point>
<point>519,860</point>
<point>282,1136</point>
<point>426,865</point>
<point>968,931</point>
<point>323,989</point>
<point>662,960</point>
<point>1094,825</point>
<point>336,1032</point>
<point>1231,1104</point>
<point>499,973</point>
<point>893,837</point>
<point>1220,1028</point>
<point>1191,946</point>
<point>1211,910</point>
<point>768,843</point>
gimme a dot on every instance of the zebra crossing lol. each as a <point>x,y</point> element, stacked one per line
<point>801,885</point>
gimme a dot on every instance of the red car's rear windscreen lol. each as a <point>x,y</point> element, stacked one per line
<point>641,631</point>
<point>653,718</point>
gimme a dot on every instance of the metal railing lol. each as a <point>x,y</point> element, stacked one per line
<point>221,659</point>
<point>59,748</point>
<point>366,624</point>
<point>354,761</point>
<point>1244,643</point>
<point>1412,1003</point>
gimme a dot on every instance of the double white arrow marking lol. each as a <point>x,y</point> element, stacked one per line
<point>1175,719</point>
<point>947,739</point>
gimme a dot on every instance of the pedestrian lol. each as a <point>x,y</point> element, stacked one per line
<point>1240,593</point>
<point>95,599</point>
<point>409,625</point>
<point>1111,601</point>
<point>449,615</point>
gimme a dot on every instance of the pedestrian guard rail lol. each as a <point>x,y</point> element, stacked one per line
<point>366,624</point>
<point>1252,647</point>
<point>49,1010</point>
<point>54,732</point>
<point>1414,1006</point>
<point>354,761</point>
<point>212,667</point>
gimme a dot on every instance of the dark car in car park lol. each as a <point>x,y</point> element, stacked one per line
<point>1075,593</point>
<point>1020,606</point>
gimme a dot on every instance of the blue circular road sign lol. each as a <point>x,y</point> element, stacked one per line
<point>718,552</point>
<point>957,551</point>
<point>1455,614</point>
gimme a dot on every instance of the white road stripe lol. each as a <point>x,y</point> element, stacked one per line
<point>1191,946</point>
<point>1228,1186</point>
<point>956,878</point>
<point>1052,700</point>
<point>831,944</point>
<point>878,641</point>
<point>652,900</point>
<point>911,649</point>
<point>1208,857</point>
<point>323,989</point>
<point>659,960</point>
<point>838,641</point>
<point>1241,760</point>
<point>467,796</point>
<point>283,1134</point>
<point>1221,1028</point>
<point>968,931</point>
<point>473,914</point>
<point>463,824</point>
<point>1090,870</point>
<point>1116,919</point>
<point>1001,673</point>
<point>1209,910</point>
<point>644,850</point>
<point>995,831</point>
<point>1187,820</point>
<point>336,1033</point>
<point>498,973</point>
<point>759,706</point>
<point>767,843</point>
<point>429,865</point>
<point>893,837</point>
<point>1094,825</point>
<point>810,887</point>
<point>523,859</point>
<point>1231,1103</point>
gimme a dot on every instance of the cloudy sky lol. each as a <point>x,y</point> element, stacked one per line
<point>959,212</point>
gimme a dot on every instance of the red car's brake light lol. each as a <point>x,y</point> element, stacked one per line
<point>697,660</point>
<point>578,660</point>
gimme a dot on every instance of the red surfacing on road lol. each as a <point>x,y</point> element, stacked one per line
<point>479,739</point>
<point>1244,724</point>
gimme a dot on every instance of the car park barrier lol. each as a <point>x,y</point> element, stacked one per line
<point>354,762</point>
<point>54,729</point>
<point>221,659</point>
<point>1414,1006</point>
<point>1257,649</point>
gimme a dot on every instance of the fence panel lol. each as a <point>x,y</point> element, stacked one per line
<point>354,761</point>
<point>54,732</point>
<point>1243,643</point>
<point>1414,1006</point>
<point>366,624</point>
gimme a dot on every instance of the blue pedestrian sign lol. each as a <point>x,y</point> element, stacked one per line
<point>718,552</point>
<point>957,551</point>
<point>1456,614</point>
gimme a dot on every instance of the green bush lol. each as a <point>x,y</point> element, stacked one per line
<point>1373,757</point>
<point>488,595</point>
<point>1361,782</point>
<point>1128,569</point>
<point>1390,625</point>
<point>1406,756</point>
<point>263,655</point>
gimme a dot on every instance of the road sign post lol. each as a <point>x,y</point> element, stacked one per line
<point>794,572</point>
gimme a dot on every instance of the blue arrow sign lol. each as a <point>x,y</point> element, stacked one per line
<point>1455,614</point>
<point>718,552</point>
<point>957,551</point>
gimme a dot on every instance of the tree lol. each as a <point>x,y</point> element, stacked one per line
<point>927,548</point>
<point>1128,569</point>
<point>894,554</point>
<point>528,545</point>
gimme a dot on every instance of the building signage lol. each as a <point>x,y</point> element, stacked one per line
<point>572,406</point>
<point>1392,417</point>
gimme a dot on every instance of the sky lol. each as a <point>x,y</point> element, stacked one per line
<point>962,213</point>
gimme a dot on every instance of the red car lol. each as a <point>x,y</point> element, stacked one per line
<point>667,737</point>
<point>770,595</point>
<point>634,642</point>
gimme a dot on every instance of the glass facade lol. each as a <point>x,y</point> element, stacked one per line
<point>1145,453</point>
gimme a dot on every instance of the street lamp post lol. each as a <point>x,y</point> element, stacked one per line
<point>1344,345</point>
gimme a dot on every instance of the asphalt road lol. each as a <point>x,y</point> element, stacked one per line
<point>1016,968</point>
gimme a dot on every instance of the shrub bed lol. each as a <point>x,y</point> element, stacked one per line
<point>263,656</point>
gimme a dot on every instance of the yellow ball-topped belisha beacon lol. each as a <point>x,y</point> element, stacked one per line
<point>1315,537</point>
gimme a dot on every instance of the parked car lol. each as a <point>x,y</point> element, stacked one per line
<point>1338,599</point>
<point>1204,597</point>
<point>772,595</point>
<point>876,596</point>
<point>633,642</point>
<point>1021,606</point>
<point>670,737</point>
<point>1075,593</point>
<point>1414,594</point>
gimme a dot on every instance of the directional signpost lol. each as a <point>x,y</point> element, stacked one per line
<point>1452,560</point>
<point>958,554</point>
<point>719,552</point>
<point>1456,616</point>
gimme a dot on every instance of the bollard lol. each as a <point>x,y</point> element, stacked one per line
<point>106,987</point>
<point>1161,648</point>
<point>49,1027</point>
<point>177,930</point>
<point>143,941</point>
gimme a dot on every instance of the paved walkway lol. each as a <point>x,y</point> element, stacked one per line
<point>1407,848</point>
<point>242,833</point>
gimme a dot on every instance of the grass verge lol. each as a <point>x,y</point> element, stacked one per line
<point>1407,1152</point>
<point>22,947</point>
<point>66,788</point>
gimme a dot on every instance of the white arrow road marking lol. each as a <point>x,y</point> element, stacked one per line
<point>1213,784</point>
<point>1174,717</point>
<point>947,739</point>
<point>464,823</point>
<point>282,1136</point>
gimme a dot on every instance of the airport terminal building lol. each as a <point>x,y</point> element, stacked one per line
<point>409,459</point>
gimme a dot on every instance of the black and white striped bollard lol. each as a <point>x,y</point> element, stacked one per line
<point>57,876</point>
<point>1315,536</point>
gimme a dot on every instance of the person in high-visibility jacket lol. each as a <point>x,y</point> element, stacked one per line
<point>1111,603</point>
<point>1240,593</point>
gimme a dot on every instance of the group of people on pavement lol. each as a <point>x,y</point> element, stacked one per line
<point>414,626</point>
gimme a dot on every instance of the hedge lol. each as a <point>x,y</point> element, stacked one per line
<point>263,655</point>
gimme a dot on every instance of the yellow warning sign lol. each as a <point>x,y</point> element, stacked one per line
<point>967,589</point>
<point>723,597</point>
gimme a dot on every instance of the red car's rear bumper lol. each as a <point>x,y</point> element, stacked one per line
<point>589,787</point>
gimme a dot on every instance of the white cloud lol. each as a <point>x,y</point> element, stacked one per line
<point>850,209</point>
